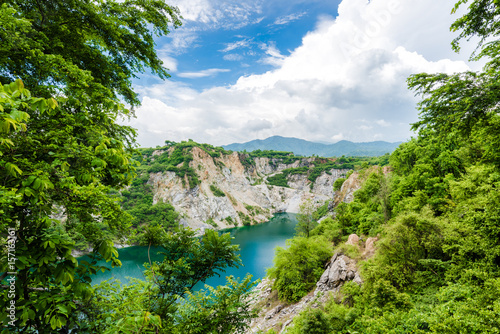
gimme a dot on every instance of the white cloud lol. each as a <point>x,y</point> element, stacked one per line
<point>202,74</point>
<point>288,18</point>
<point>228,14</point>
<point>233,57</point>
<point>169,63</point>
<point>274,56</point>
<point>337,137</point>
<point>196,10</point>
<point>256,125</point>
<point>179,41</point>
<point>383,123</point>
<point>244,43</point>
<point>346,81</point>
<point>204,15</point>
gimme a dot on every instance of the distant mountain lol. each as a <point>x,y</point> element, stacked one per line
<point>307,148</point>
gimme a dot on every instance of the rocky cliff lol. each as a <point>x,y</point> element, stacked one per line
<point>234,191</point>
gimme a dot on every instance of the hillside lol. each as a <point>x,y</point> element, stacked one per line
<point>307,148</point>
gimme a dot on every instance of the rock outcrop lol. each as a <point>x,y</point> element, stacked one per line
<point>353,240</point>
<point>247,195</point>
<point>346,193</point>
<point>369,250</point>
<point>339,270</point>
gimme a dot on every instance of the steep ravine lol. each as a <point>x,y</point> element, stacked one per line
<point>248,198</point>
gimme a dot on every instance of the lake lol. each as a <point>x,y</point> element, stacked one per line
<point>257,244</point>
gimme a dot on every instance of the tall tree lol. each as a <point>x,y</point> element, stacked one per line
<point>306,222</point>
<point>90,47</point>
<point>59,160</point>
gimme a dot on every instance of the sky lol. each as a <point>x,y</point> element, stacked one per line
<point>320,70</point>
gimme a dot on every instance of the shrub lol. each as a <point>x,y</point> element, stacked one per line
<point>216,191</point>
<point>311,321</point>
<point>211,221</point>
<point>297,268</point>
<point>279,180</point>
<point>337,185</point>
<point>330,229</point>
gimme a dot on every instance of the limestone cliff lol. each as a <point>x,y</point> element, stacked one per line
<point>234,191</point>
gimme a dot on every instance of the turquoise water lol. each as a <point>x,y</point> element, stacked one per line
<point>257,244</point>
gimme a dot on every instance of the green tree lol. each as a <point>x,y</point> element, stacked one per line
<point>306,222</point>
<point>165,303</point>
<point>297,268</point>
<point>313,321</point>
<point>91,49</point>
<point>65,158</point>
<point>337,185</point>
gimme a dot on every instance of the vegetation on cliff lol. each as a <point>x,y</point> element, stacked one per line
<point>313,169</point>
<point>437,213</point>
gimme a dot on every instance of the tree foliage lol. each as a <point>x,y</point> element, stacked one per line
<point>52,161</point>
<point>165,303</point>
<point>297,268</point>
<point>63,156</point>
<point>92,49</point>
<point>305,220</point>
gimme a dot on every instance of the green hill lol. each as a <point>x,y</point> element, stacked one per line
<point>307,148</point>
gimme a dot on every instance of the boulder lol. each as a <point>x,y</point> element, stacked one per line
<point>353,240</point>
<point>340,270</point>
<point>370,247</point>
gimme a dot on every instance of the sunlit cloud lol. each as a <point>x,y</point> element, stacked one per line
<point>202,74</point>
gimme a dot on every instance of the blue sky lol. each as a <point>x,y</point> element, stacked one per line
<point>318,70</point>
<point>210,51</point>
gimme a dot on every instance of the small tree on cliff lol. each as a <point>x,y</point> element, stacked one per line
<point>306,223</point>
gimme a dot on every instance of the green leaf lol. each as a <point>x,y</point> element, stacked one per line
<point>52,103</point>
<point>13,87</point>
<point>29,180</point>
<point>19,84</point>
<point>12,169</point>
<point>36,185</point>
<point>28,191</point>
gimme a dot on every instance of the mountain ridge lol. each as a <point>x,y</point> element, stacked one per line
<point>307,148</point>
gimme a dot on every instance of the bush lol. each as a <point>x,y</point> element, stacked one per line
<point>337,185</point>
<point>245,220</point>
<point>212,222</point>
<point>330,229</point>
<point>161,214</point>
<point>321,211</point>
<point>230,220</point>
<point>279,180</point>
<point>311,321</point>
<point>216,191</point>
<point>410,247</point>
<point>297,268</point>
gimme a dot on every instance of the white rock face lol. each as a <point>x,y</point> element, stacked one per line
<point>247,193</point>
